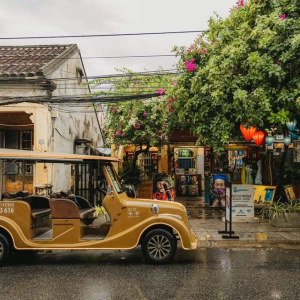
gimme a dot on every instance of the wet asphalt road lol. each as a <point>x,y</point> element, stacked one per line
<point>201,274</point>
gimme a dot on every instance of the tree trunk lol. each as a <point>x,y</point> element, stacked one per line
<point>279,193</point>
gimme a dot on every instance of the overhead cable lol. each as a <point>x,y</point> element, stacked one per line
<point>92,99</point>
<point>98,35</point>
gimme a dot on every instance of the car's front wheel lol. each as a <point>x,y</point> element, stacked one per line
<point>159,246</point>
<point>4,249</point>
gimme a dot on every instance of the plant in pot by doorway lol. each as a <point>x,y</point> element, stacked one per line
<point>284,215</point>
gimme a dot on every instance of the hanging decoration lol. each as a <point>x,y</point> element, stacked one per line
<point>247,132</point>
<point>269,140</point>
<point>291,125</point>
<point>259,138</point>
<point>293,135</point>
<point>287,140</point>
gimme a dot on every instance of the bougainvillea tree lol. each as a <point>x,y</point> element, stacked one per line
<point>244,69</point>
<point>139,123</point>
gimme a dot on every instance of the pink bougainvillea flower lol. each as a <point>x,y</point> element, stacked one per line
<point>190,66</point>
<point>112,135</point>
<point>240,3</point>
<point>203,50</point>
<point>156,131</point>
<point>174,82</point>
<point>137,126</point>
<point>132,112</point>
<point>278,62</point>
<point>145,114</point>
<point>160,91</point>
<point>171,110</point>
<point>118,132</point>
<point>282,17</point>
<point>112,108</point>
<point>121,125</point>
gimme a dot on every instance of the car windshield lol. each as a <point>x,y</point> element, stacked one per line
<point>114,178</point>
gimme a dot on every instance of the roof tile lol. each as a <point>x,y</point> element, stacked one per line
<point>20,60</point>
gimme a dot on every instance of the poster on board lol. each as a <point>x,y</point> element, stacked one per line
<point>242,202</point>
<point>228,203</point>
<point>162,187</point>
<point>217,190</point>
<point>264,194</point>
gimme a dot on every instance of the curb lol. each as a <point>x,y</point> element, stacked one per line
<point>250,244</point>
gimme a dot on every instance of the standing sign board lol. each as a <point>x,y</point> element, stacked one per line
<point>242,202</point>
<point>228,213</point>
<point>228,204</point>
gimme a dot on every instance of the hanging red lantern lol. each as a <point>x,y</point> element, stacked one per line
<point>247,132</point>
<point>259,138</point>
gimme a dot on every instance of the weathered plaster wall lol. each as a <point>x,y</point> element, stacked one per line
<point>57,126</point>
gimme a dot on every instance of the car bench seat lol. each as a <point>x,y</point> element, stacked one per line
<point>39,205</point>
<point>68,209</point>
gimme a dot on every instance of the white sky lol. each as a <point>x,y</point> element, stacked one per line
<point>77,17</point>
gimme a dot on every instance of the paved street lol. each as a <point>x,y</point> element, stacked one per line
<point>248,273</point>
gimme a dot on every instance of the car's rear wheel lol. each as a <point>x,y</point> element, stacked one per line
<point>159,246</point>
<point>4,249</point>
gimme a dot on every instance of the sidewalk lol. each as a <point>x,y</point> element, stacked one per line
<point>205,222</point>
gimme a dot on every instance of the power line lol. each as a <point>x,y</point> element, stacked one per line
<point>129,56</point>
<point>98,35</point>
<point>145,73</point>
<point>99,57</point>
<point>73,99</point>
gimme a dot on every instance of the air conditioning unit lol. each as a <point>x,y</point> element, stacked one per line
<point>85,150</point>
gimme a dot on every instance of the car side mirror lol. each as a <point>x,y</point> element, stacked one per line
<point>109,190</point>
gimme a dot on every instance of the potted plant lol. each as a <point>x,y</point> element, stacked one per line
<point>284,215</point>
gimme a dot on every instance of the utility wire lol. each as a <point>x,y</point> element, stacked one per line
<point>98,35</point>
<point>92,99</point>
<point>90,57</point>
<point>146,73</point>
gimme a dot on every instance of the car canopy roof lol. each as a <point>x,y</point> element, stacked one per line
<point>36,156</point>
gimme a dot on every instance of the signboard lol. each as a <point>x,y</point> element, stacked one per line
<point>228,234</point>
<point>264,194</point>
<point>228,204</point>
<point>242,202</point>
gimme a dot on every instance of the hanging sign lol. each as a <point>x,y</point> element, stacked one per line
<point>242,202</point>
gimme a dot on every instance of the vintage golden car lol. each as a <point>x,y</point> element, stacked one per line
<point>31,222</point>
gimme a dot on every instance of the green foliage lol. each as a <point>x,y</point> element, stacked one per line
<point>135,176</point>
<point>138,122</point>
<point>247,71</point>
<point>274,210</point>
<point>277,208</point>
